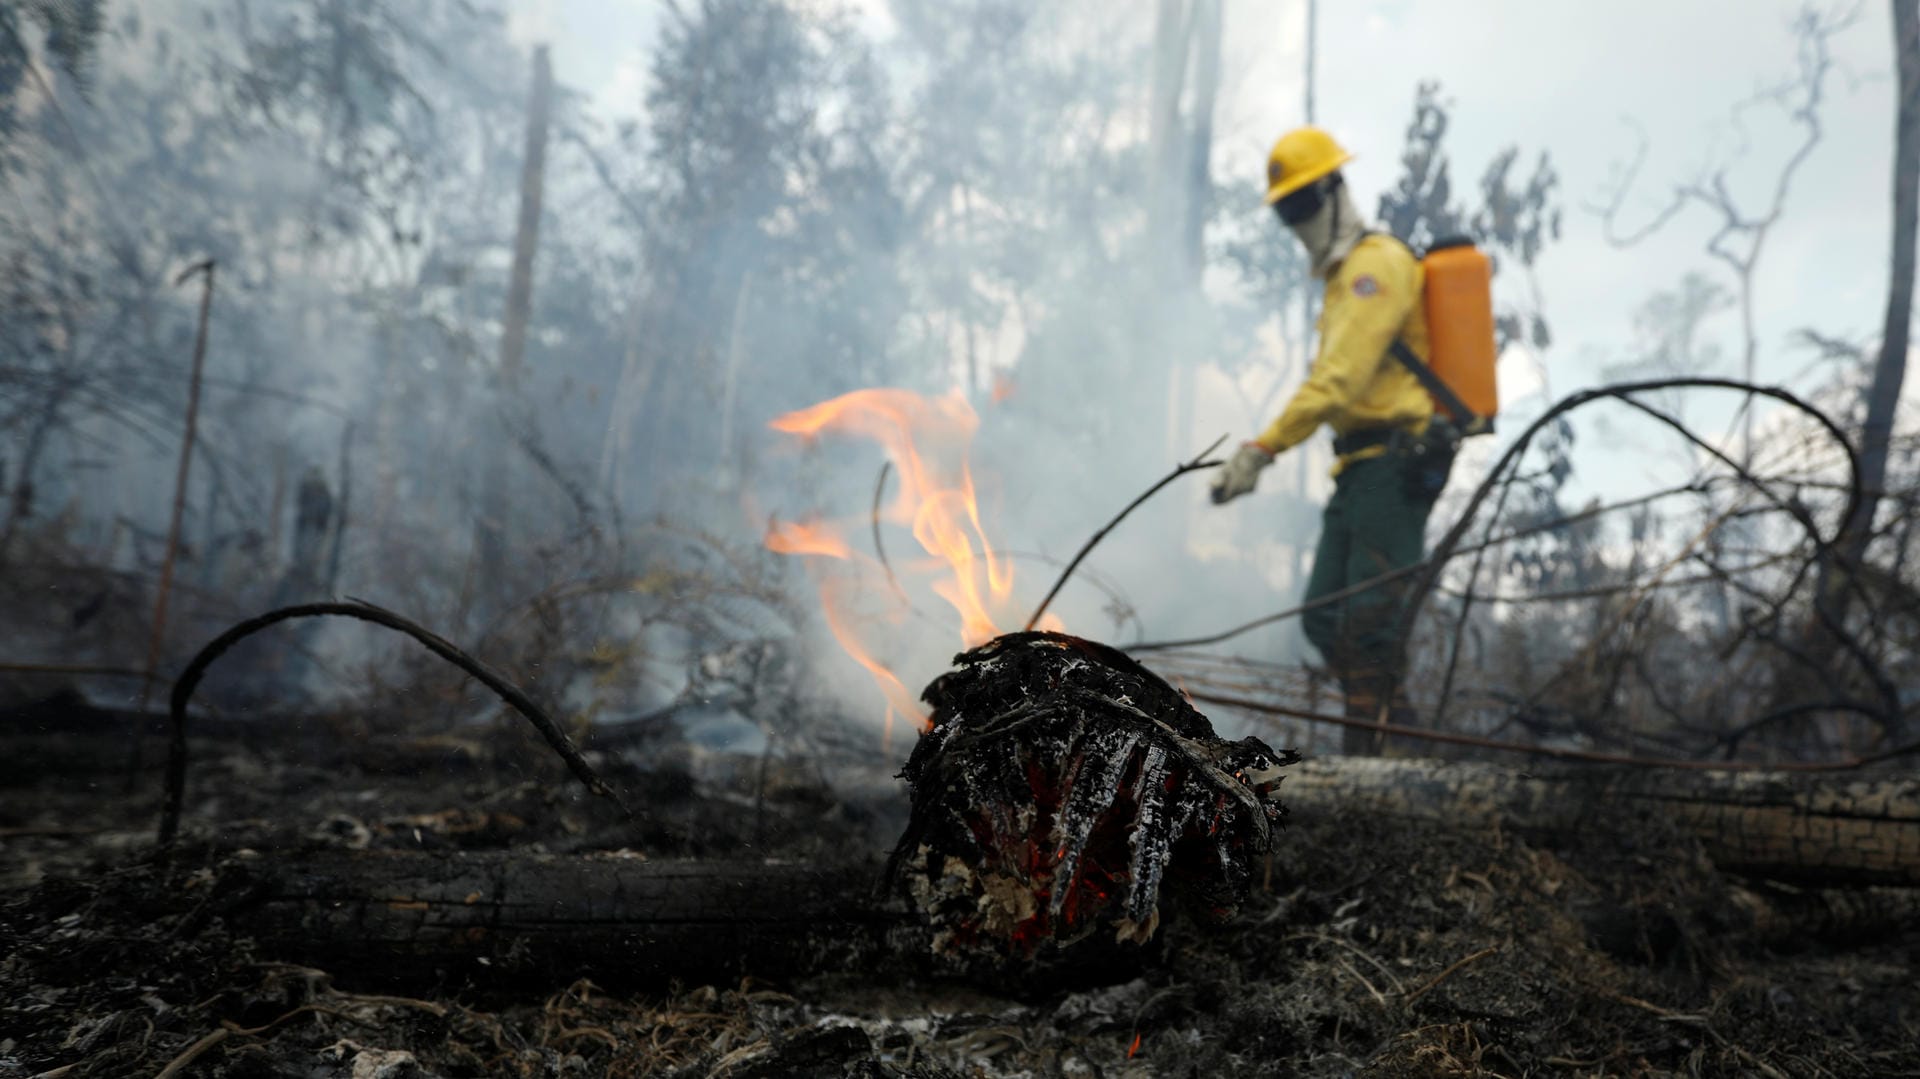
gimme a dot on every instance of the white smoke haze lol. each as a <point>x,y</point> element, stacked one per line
<point>750,207</point>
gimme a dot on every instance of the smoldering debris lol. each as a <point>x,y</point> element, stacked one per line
<point>1063,788</point>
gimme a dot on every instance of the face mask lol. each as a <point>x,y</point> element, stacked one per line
<point>1324,221</point>
<point>1301,205</point>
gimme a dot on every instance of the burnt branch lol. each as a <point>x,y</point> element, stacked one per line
<point>189,679</point>
<point>1198,463</point>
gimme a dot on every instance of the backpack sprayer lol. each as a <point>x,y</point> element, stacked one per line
<point>1461,349</point>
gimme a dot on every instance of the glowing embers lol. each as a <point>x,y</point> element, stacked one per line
<point>1064,790</point>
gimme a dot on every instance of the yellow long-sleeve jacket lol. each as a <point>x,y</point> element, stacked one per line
<point>1373,296</point>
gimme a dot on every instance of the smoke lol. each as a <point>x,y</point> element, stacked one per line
<point>974,196</point>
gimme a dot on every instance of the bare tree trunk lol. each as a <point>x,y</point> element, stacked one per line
<point>1186,49</point>
<point>158,637</point>
<point>339,537</point>
<point>1165,135</point>
<point>730,384</point>
<point>277,502</point>
<point>386,423</point>
<point>629,393</point>
<point>1883,397</point>
<point>1208,27</point>
<point>490,535</point>
<point>526,239</point>
<point>20,499</point>
<point>1313,30</point>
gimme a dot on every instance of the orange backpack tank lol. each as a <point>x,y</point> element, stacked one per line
<point>1461,348</point>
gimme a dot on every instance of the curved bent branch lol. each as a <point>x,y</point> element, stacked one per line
<point>189,679</point>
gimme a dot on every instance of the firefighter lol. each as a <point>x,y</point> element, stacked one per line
<point>1391,453</point>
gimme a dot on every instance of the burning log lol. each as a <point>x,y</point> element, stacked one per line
<point>1062,789</point>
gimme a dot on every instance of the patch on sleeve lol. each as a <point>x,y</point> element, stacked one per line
<point>1365,286</point>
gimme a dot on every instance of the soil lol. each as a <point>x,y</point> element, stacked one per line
<point>1372,947</point>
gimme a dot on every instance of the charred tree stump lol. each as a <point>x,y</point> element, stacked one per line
<point>1062,789</point>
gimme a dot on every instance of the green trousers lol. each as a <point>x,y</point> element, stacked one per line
<point>1374,523</point>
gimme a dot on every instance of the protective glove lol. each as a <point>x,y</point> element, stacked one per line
<point>1241,472</point>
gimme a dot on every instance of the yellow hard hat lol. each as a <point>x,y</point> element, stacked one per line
<point>1302,156</point>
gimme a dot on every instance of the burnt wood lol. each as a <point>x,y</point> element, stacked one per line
<point>1065,792</point>
<point>411,917</point>
<point>1862,828</point>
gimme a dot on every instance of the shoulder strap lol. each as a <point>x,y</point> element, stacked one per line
<point>1471,423</point>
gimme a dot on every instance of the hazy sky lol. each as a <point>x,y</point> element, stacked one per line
<point>1576,80</point>
<point>1561,77</point>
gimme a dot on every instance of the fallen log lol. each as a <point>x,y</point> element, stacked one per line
<point>411,917</point>
<point>1816,829</point>
<point>404,918</point>
<point>66,734</point>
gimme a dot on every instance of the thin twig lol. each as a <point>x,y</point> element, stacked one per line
<point>1622,391</point>
<point>1198,463</point>
<point>76,669</point>
<point>205,268</point>
<point>1584,656</point>
<point>1407,571</point>
<point>190,678</point>
<point>1378,997</point>
<point>1329,938</point>
<point>880,548</point>
<point>197,1049</point>
<point>1447,973</point>
<point>1504,467</point>
<point>192,1053</point>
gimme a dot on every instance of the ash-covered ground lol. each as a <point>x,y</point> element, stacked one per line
<point>1374,947</point>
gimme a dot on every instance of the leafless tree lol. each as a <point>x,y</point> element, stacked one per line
<point>1741,232</point>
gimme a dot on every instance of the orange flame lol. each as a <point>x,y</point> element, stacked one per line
<point>926,439</point>
<point>1002,387</point>
<point>899,698</point>
<point>794,537</point>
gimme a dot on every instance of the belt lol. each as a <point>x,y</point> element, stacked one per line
<point>1355,441</point>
